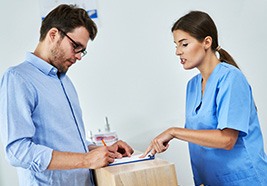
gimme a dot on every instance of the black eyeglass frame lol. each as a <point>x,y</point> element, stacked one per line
<point>75,45</point>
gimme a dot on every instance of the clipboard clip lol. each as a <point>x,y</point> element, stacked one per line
<point>151,156</point>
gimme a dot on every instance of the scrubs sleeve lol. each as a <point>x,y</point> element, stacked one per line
<point>17,102</point>
<point>234,102</point>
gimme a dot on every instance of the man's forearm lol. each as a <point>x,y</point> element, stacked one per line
<point>67,160</point>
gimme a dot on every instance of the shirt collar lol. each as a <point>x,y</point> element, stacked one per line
<point>42,65</point>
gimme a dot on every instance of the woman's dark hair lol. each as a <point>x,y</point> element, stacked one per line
<point>67,18</point>
<point>200,25</point>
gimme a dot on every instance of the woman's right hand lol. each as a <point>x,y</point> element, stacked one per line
<point>160,143</point>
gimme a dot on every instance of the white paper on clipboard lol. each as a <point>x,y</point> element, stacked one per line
<point>132,159</point>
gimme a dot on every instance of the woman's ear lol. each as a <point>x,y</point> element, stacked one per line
<point>207,42</point>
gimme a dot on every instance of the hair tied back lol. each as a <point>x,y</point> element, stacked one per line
<point>218,48</point>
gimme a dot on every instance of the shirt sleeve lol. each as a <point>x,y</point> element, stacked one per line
<point>88,143</point>
<point>17,103</point>
<point>234,102</point>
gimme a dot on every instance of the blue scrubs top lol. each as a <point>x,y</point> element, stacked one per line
<point>227,103</point>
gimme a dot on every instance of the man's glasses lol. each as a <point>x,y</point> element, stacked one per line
<point>77,48</point>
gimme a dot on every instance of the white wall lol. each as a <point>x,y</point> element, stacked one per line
<point>131,73</point>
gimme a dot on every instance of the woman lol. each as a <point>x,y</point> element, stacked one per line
<point>222,127</point>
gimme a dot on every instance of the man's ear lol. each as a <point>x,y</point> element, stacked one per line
<point>207,42</point>
<point>53,35</point>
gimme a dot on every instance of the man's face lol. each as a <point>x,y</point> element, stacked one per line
<point>63,53</point>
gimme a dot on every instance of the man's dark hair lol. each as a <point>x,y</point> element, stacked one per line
<point>67,18</point>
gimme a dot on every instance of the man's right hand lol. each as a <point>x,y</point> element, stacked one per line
<point>100,157</point>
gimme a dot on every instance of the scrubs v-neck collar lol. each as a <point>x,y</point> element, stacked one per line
<point>202,97</point>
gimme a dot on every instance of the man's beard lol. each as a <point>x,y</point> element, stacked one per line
<point>57,59</point>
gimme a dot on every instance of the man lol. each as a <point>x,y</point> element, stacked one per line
<point>41,121</point>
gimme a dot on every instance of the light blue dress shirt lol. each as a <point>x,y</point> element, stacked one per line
<point>40,112</point>
<point>227,103</point>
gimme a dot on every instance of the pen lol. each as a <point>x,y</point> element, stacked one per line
<point>104,142</point>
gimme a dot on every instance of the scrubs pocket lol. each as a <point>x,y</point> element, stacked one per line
<point>246,177</point>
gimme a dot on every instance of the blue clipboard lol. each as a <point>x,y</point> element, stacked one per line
<point>132,159</point>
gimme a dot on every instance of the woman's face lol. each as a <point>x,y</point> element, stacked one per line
<point>191,52</point>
